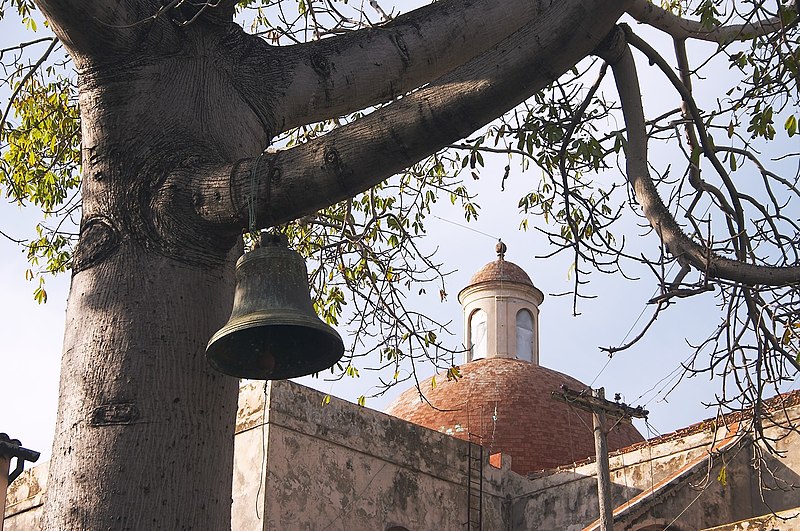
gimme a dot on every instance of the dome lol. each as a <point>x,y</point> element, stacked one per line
<point>500,274</point>
<point>501,270</point>
<point>507,403</point>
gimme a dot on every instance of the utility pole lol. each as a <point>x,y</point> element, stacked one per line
<point>594,400</point>
<point>10,448</point>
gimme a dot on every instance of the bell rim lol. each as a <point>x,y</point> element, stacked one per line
<point>282,318</point>
<point>217,345</point>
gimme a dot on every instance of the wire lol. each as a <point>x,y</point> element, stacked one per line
<point>251,208</point>
<point>634,325</point>
<point>611,356</point>
<point>604,367</point>
<point>466,227</point>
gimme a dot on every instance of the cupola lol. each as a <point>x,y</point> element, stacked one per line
<point>503,397</point>
<point>501,312</point>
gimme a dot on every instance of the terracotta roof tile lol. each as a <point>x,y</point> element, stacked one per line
<point>772,405</point>
<point>501,270</point>
<point>507,404</point>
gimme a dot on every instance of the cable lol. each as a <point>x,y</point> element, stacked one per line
<point>466,227</point>
<point>611,356</point>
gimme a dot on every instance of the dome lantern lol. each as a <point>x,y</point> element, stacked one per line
<point>501,312</point>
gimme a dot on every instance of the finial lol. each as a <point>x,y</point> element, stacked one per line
<point>501,249</point>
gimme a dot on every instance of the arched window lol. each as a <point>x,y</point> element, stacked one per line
<point>524,335</point>
<point>477,335</point>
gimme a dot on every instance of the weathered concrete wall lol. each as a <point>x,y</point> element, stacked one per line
<point>249,458</point>
<point>339,466</point>
<point>567,499</point>
<point>696,494</point>
<point>780,521</point>
<point>300,465</point>
<point>24,499</point>
<point>779,471</point>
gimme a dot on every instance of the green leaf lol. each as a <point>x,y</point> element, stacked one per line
<point>40,295</point>
<point>722,477</point>
<point>791,125</point>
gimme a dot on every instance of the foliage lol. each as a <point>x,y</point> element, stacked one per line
<point>40,144</point>
<point>728,179</point>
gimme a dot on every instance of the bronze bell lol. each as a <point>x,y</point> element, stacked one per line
<point>273,332</point>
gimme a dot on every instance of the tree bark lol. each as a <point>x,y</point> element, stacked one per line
<point>144,437</point>
<point>329,78</point>
<point>680,28</point>
<point>300,180</point>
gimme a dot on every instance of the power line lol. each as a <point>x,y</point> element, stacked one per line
<point>457,224</point>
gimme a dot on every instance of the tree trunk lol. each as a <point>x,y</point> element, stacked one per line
<point>142,417</point>
<point>144,437</point>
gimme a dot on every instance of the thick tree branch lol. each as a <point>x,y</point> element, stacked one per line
<point>738,233</point>
<point>329,78</point>
<point>92,29</point>
<point>354,157</point>
<point>658,215</point>
<point>680,28</point>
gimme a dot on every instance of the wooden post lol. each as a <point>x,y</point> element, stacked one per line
<point>596,403</point>
<point>9,449</point>
<point>603,473</point>
<point>5,462</point>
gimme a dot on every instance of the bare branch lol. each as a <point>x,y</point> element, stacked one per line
<point>662,221</point>
<point>25,79</point>
<point>680,28</point>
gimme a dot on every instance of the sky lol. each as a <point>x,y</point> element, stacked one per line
<point>32,333</point>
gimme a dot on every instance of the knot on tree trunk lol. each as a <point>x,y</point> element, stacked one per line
<point>99,239</point>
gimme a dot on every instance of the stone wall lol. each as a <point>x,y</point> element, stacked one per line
<point>24,499</point>
<point>339,466</point>
<point>300,464</point>
<point>675,480</point>
<point>781,521</point>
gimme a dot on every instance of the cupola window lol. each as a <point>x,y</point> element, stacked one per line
<point>524,335</point>
<point>477,335</point>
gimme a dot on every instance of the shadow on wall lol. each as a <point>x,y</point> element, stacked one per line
<point>708,490</point>
<point>776,486</point>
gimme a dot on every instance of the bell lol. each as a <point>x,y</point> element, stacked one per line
<point>273,332</point>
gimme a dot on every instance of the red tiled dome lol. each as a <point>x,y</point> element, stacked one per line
<point>507,402</point>
<point>501,270</point>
